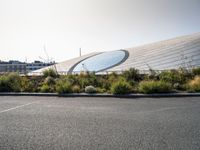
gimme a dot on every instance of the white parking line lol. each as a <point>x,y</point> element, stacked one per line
<point>16,107</point>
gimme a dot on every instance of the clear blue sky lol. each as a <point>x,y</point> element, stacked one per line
<point>95,25</point>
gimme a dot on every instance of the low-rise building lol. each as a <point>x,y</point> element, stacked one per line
<point>37,65</point>
<point>12,66</point>
<point>22,67</point>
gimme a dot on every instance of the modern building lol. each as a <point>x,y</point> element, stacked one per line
<point>169,54</point>
<point>22,67</point>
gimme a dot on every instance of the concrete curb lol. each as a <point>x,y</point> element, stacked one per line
<point>27,94</point>
<point>104,95</point>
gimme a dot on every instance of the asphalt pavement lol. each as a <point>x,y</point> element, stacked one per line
<point>53,123</point>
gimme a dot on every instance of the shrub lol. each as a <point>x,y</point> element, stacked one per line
<point>4,84</point>
<point>113,77</point>
<point>45,88</point>
<point>176,77</point>
<point>90,89</point>
<point>104,83</point>
<point>148,87</point>
<point>131,74</point>
<point>152,75</point>
<point>76,89</point>
<point>169,76</point>
<point>186,74</point>
<point>15,82</point>
<point>194,85</point>
<point>101,90</point>
<point>72,79</point>
<point>63,87</point>
<point>196,71</point>
<point>10,83</point>
<point>83,79</point>
<point>93,79</point>
<point>121,87</point>
<point>49,80</point>
<point>27,85</point>
<point>50,73</point>
<point>86,79</point>
<point>35,83</point>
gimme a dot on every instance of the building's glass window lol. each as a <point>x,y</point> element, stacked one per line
<point>101,61</point>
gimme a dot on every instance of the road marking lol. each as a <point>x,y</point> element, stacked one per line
<point>16,107</point>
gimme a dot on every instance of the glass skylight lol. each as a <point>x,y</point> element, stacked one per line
<point>101,61</point>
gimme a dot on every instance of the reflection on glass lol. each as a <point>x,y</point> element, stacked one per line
<point>101,61</point>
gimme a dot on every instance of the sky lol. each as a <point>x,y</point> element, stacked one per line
<point>63,26</point>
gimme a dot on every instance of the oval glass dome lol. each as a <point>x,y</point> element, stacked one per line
<point>101,61</point>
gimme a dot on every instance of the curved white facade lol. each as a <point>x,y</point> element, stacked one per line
<point>169,54</point>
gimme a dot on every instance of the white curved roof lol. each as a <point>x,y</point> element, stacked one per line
<point>169,54</point>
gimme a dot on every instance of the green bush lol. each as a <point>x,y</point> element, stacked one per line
<point>10,83</point>
<point>45,88</point>
<point>63,86</point>
<point>104,83</point>
<point>128,81</point>
<point>76,89</point>
<point>15,82</point>
<point>149,87</point>
<point>172,76</point>
<point>113,77</point>
<point>4,84</point>
<point>194,85</point>
<point>72,79</point>
<point>50,73</point>
<point>27,85</point>
<point>49,80</point>
<point>92,79</point>
<point>121,87</point>
<point>176,77</point>
<point>196,71</point>
<point>83,82</point>
<point>131,74</point>
<point>35,83</point>
<point>85,79</point>
<point>152,75</point>
<point>90,89</point>
<point>101,90</point>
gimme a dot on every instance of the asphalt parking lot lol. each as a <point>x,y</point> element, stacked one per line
<point>99,123</point>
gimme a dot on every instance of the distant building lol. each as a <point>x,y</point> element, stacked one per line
<point>37,65</point>
<point>12,66</point>
<point>22,67</point>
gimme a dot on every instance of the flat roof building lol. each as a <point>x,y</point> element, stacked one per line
<point>12,66</point>
<point>22,67</point>
<point>37,65</point>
